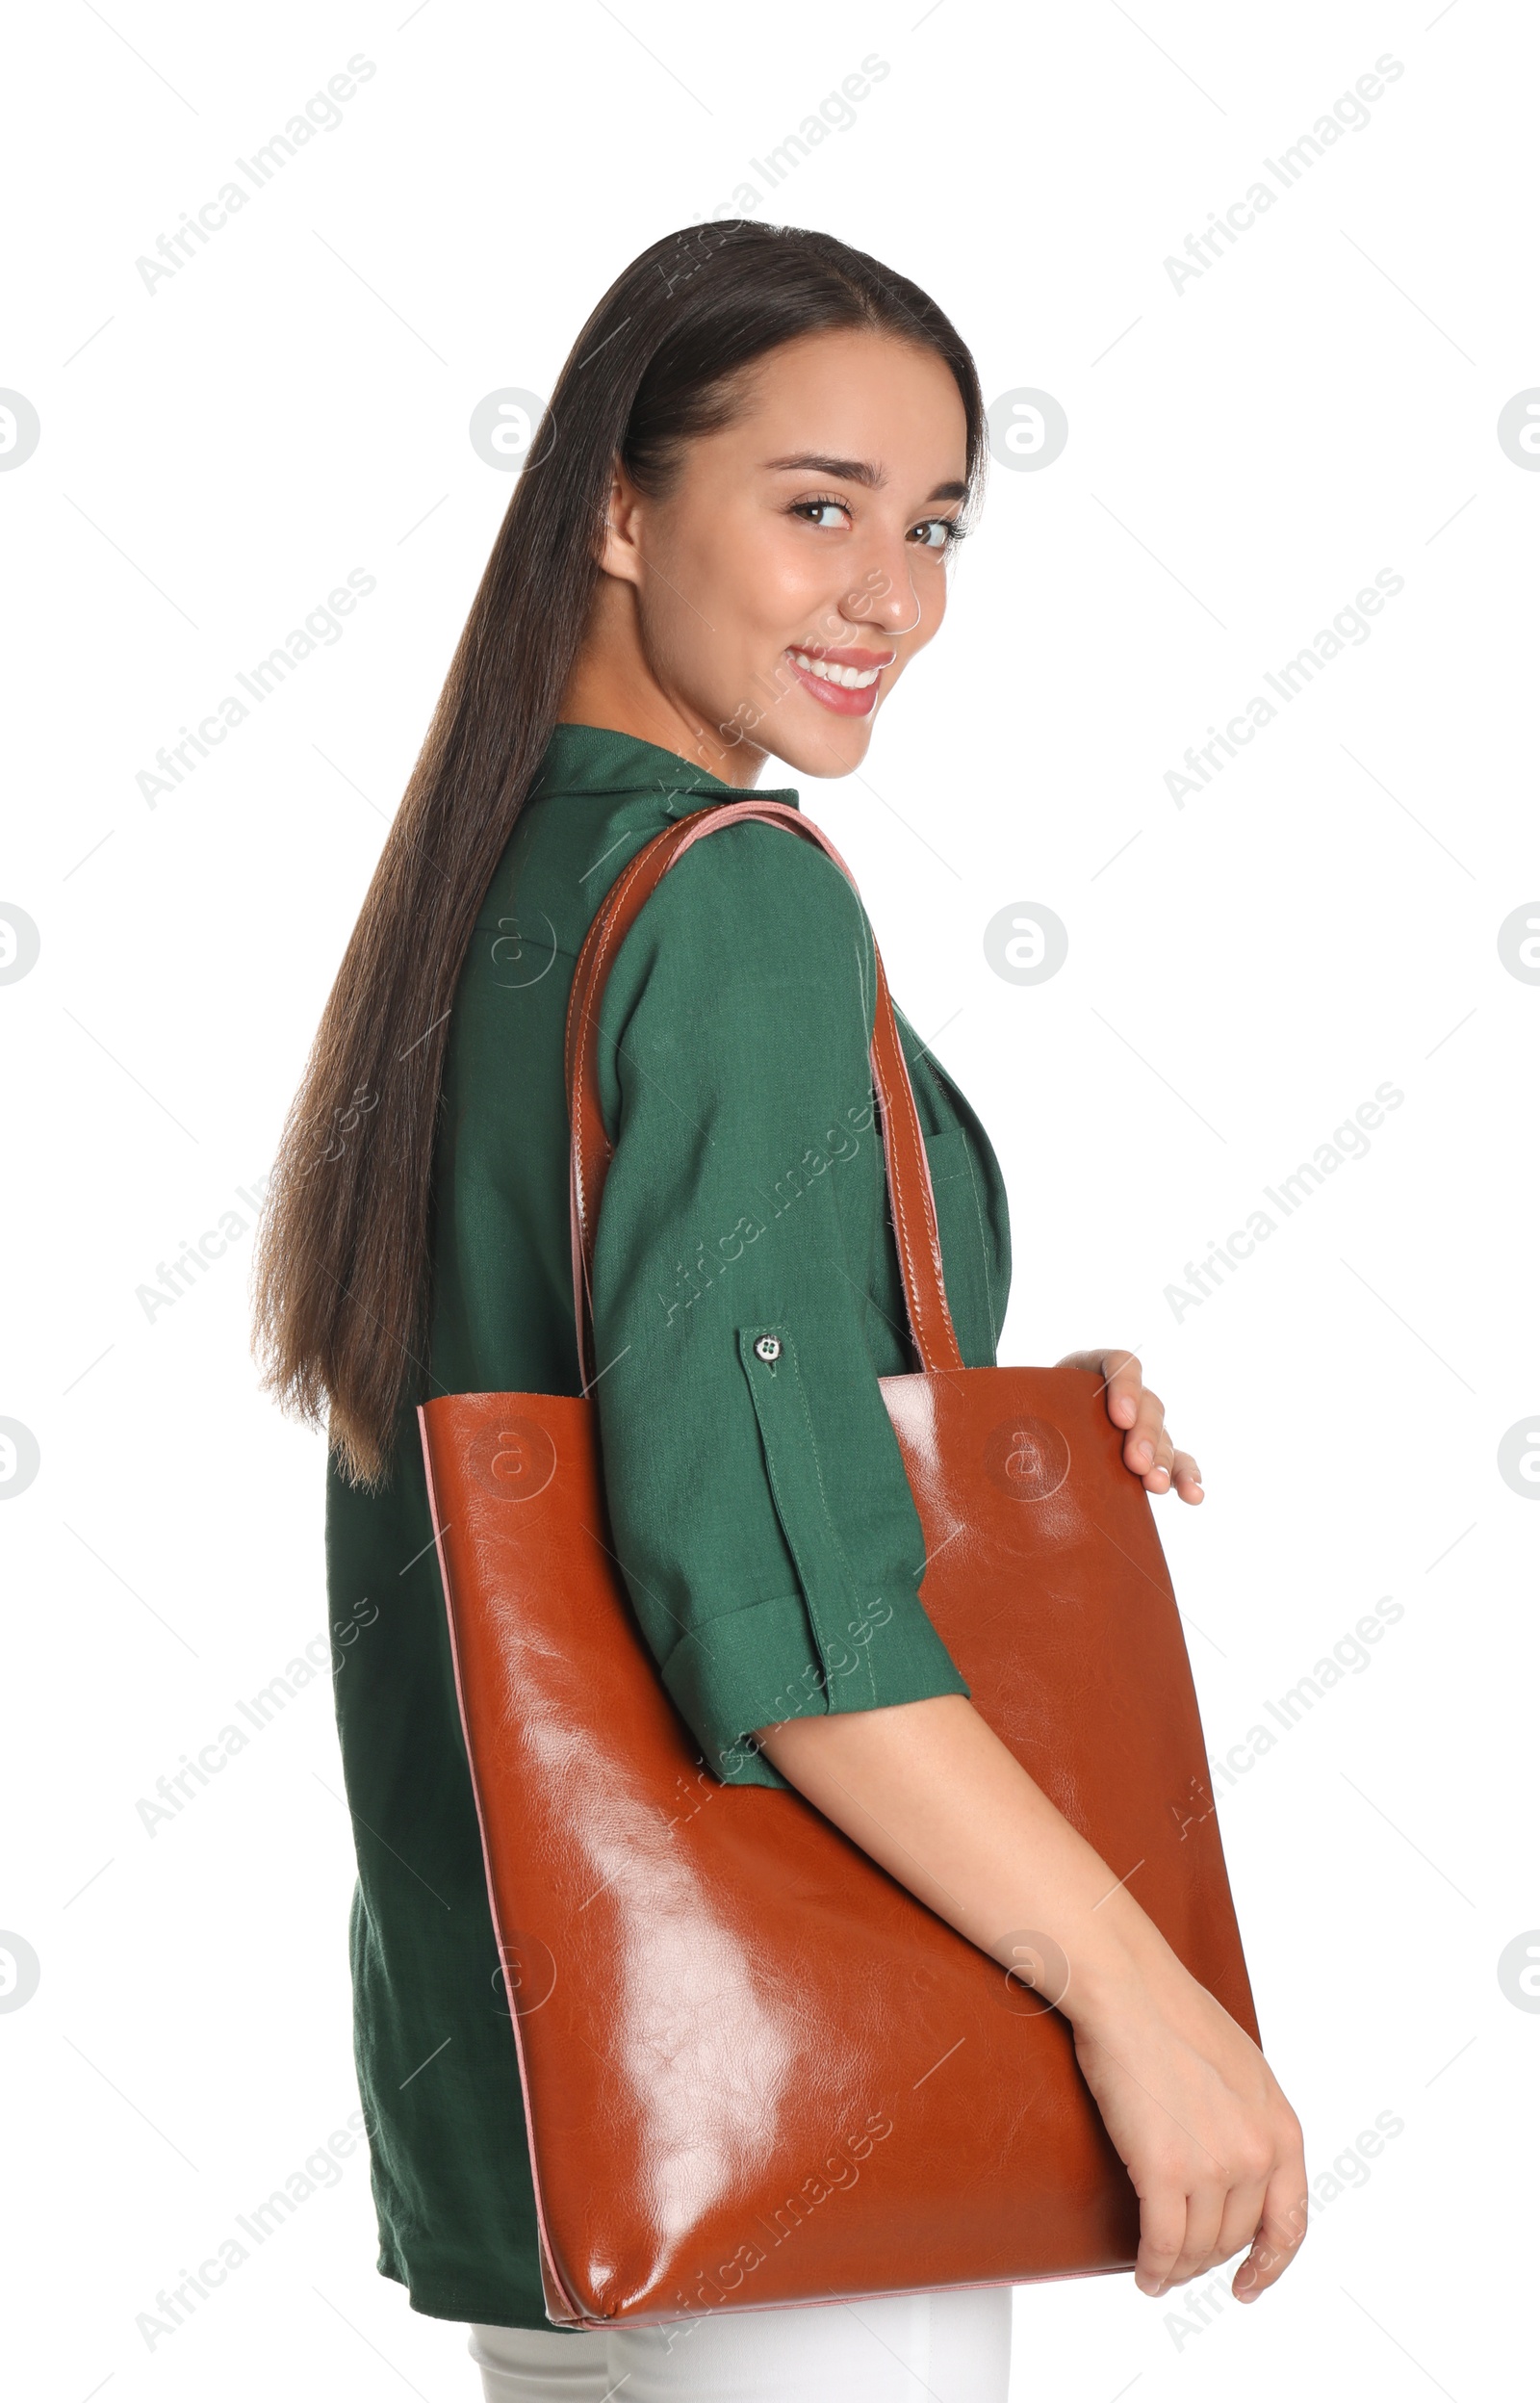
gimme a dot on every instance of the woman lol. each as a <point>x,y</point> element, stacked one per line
<point>730,542</point>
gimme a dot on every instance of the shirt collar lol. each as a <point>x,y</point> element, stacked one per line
<point>598,760</point>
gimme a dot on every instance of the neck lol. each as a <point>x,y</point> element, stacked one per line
<point>612,685</point>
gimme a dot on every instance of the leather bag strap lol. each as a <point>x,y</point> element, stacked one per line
<point>911,1195</point>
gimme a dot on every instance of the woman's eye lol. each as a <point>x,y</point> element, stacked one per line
<point>937,533</point>
<point>829,513</point>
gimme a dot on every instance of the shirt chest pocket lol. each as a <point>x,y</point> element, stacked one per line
<point>964,1256</point>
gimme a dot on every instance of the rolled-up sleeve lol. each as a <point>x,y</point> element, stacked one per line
<point>758,1500</point>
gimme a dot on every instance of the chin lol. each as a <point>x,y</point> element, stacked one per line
<point>822,751</point>
<point>826,768</point>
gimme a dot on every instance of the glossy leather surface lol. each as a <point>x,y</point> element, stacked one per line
<point>756,2069</point>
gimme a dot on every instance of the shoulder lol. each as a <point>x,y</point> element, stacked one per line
<point>752,961</point>
<point>754,898</point>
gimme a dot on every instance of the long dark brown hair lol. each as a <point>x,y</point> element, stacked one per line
<point>342,1275</point>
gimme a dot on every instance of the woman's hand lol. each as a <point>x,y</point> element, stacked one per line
<point>1147,1449</point>
<point>1212,2146</point>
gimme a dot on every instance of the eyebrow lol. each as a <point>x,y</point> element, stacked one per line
<point>855,472</point>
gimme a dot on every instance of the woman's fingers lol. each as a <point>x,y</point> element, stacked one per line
<point>1131,1406</point>
<point>1241,2217</point>
<point>1205,2210</point>
<point>1150,1452</point>
<point>1175,1469</point>
<point>1285,2214</point>
<point>1187,1477</point>
<point>1217,2223</point>
<point>1123,1381</point>
<point>1147,1446</point>
<point>1141,1415</point>
<point>1157,1475</point>
<point>1162,2231</point>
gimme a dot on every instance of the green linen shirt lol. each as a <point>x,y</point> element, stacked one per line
<point>771,1547</point>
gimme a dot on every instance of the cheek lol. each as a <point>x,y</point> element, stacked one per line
<point>727,599</point>
<point>798,584</point>
<point>763,581</point>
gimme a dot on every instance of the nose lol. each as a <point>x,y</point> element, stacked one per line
<point>884,594</point>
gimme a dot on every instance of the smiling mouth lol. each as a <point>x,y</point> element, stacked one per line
<point>843,681</point>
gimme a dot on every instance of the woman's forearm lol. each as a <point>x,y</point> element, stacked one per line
<point>1209,2141</point>
<point>928,1789</point>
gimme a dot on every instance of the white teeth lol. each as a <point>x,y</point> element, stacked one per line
<point>854,679</point>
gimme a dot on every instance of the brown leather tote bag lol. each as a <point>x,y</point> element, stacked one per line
<point>756,2069</point>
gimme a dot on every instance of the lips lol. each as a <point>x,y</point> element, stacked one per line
<point>844,681</point>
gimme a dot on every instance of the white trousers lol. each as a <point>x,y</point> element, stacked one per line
<point>952,2348</point>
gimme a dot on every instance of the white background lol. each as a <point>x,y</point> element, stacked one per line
<point>1244,457</point>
